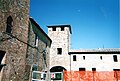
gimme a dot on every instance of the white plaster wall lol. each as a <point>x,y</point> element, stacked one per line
<point>93,61</point>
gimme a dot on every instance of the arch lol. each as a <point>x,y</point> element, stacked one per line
<point>57,69</point>
<point>9,24</point>
<point>2,54</point>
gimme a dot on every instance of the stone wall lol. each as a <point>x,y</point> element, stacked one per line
<point>36,52</point>
<point>14,43</point>
<point>60,39</point>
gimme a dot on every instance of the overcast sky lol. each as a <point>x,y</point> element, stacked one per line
<point>95,23</point>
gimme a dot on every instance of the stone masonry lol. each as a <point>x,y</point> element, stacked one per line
<point>60,36</point>
<point>14,17</point>
<point>37,54</point>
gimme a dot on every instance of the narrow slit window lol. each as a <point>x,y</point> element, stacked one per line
<point>36,40</point>
<point>101,57</point>
<point>59,51</point>
<point>83,57</point>
<point>74,58</point>
<point>9,24</point>
<point>115,58</point>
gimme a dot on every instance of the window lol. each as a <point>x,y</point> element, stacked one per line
<point>56,76</point>
<point>62,28</point>
<point>83,57</point>
<point>59,51</point>
<point>2,54</point>
<point>35,67</point>
<point>116,69</point>
<point>81,69</point>
<point>93,69</point>
<point>9,24</point>
<point>116,73</point>
<point>101,57</point>
<point>36,40</point>
<point>115,58</point>
<point>74,58</point>
<point>36,74</point>
<point>54,28</point>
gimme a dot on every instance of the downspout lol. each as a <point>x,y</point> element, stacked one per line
<point>43,60</point>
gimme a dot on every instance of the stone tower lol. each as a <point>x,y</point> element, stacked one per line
<point>60,36</point>
<point>14,19</point>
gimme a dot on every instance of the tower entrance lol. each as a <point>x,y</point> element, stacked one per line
<point>56,73</point>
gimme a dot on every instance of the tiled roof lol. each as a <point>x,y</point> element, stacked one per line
<point>99,50</point>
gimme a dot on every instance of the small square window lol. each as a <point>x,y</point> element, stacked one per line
<point>59,51</point>
<point>93,69</point>
<point>74,58</point>
<point>81,69</point>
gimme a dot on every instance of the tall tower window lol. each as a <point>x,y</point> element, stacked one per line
<point>59,51</point>
<point>83,57</point>
<point>115,58</point>
<point>9,24</point>
<point>74,58</point>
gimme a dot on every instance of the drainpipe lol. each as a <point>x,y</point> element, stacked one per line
<point>44,63</point>
<point>43,60</point>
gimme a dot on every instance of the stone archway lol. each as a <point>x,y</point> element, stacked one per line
<point>57,73</point>
<point>57,69</point>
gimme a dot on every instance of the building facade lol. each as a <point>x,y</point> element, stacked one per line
<point>37,55</point>
<point>71,62</point>
<point>24,46</point>
<point>60,36</point>
<point>95,59</point>
<point>14,17</point>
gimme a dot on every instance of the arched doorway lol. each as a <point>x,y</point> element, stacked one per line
<point>57,69</point>
<point>57,73</point>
